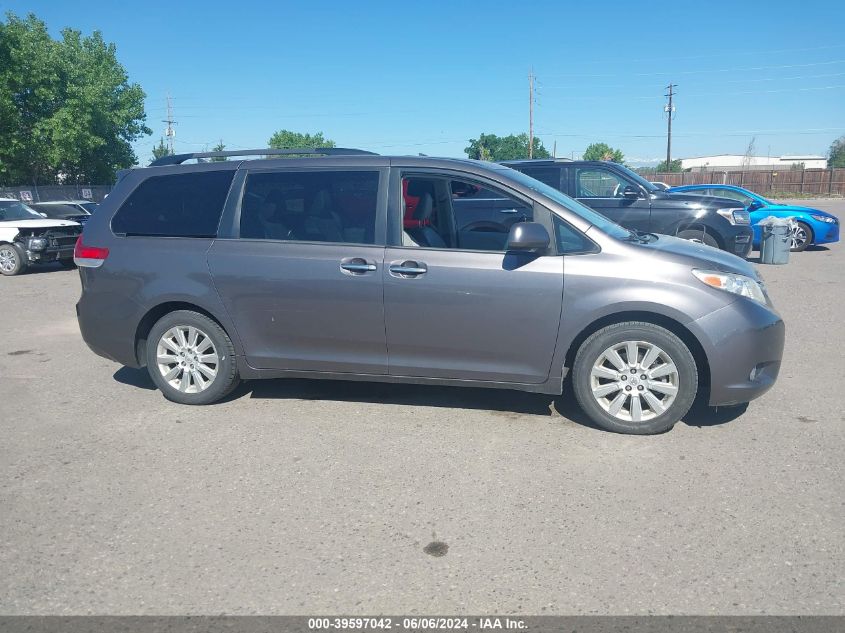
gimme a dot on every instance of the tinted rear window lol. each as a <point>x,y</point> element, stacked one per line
<point>178,205</point>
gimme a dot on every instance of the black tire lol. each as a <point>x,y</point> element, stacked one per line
<point>16,256</point>
<point>697,235</point>
<point>226,377</point>
<point>67,263</point>
<point>808,231</point>
<point>686,380</point>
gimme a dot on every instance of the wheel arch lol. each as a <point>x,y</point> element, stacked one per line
<point>674,326</point>
<point>692,225</point>
<point>810,224</point>
<point>145,325</point>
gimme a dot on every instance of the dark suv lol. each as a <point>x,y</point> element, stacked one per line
<point>354,266</point>
<point>632,201</point>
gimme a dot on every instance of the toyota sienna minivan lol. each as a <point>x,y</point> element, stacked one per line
<point>347,265</point>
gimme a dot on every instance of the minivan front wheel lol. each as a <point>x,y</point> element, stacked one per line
<point>635,377</point>
<point>190,358</point>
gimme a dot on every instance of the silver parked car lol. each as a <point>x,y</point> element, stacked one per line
<point>347,265</point>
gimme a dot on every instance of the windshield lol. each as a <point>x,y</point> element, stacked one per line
<point>14,210</point>
<point>593,217</point>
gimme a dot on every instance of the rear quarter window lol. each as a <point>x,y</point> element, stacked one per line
<point>175,205</point>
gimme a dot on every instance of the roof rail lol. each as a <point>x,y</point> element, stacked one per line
<point>178,159</point>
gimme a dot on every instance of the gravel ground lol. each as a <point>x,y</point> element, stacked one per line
<point>328,497</point>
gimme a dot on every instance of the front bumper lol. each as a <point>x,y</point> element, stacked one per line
<point>825,233</point>
<point>744,346</point>
<point>50,254</point>
<point>740,244</point>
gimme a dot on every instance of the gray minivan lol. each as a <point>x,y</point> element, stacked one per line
<point>347,265</point>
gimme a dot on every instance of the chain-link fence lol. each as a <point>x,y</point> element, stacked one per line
<point>50,193</point>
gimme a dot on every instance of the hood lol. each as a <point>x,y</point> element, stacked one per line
<point>789,208</point>
<point>696,199</point>
<point>699,255</point>
<point>37,224</point>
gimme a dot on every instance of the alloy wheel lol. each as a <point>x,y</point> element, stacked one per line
<point>798,238</point>
<point>8,259</point>
<point>634,381</point>
<point>187,359</point>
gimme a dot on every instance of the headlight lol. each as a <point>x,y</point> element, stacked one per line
<point>735,216</point>
<point>731,282</point>
<point>36,243</point>
<point>823,218</point>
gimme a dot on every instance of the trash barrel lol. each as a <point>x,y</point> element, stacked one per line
<point>776,240</point>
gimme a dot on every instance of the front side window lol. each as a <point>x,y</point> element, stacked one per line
<point>176,205</point>
<point>594,182</point>
<point>311,206</point>
<point>459,214</point>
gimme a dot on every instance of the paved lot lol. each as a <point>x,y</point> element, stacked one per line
<point>306,498</point>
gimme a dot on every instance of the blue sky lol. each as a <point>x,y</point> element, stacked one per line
<point>401,78</point>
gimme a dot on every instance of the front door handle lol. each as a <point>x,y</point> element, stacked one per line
<point>407,269</point>
<point>508,211</point>
<point>357,265</point>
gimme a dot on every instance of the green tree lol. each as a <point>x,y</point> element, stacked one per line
<point>68,110</point>
<point>285,139</point>
<point>603,151</point>
<point>496,148</point>
<point>674,166</point>
<point>837,153</point>
<point>160,150</point>
<point>220,147</point>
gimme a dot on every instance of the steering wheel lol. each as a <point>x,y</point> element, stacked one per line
<point>486,226</point>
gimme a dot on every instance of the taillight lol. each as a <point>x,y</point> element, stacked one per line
<point>88,256</point>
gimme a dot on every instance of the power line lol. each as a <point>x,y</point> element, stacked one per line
<point>731,53</point>
<point>705,70</point>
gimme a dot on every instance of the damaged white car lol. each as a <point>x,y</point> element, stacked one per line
<point>27,237</point>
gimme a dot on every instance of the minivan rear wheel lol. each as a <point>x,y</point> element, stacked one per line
<point>635,377</point>
<point>190,358</point>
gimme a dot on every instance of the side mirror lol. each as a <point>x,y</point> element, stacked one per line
<point>631,192</point>
<point>528,236</point>
<point>755,204</point>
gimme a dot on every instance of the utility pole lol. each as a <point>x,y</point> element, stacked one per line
<point>531,113</point>
<point>670,112</point>
<point>170,133</point>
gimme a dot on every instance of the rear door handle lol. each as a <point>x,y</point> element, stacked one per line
<point>407,269</point>
<point>357,265</point>
<point>508,211</point>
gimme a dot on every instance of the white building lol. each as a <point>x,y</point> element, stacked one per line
<point>735,162</point>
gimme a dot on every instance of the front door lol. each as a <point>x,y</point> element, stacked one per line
<point>303,280</point>
<point>457,306</point>
<point>603,190</point>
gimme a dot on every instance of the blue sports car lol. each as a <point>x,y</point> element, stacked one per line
<point>812,225</point>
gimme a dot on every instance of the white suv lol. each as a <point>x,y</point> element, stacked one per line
<point>28,237</point>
